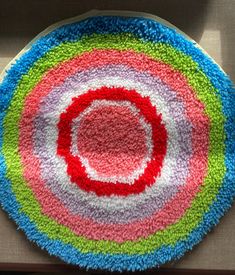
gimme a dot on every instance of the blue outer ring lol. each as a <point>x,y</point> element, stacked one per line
<point>148,30</point>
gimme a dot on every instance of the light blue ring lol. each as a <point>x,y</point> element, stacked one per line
<point>148,30</point>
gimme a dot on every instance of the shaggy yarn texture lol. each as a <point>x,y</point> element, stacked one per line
<point>117,143</point>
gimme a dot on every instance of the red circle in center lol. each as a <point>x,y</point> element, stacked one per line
<point>76,170</point>
<point>112,140</point>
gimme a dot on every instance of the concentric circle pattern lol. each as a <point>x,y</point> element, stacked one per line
<point>117,143</point>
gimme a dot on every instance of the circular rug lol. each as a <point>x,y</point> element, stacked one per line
<point>117,142</point>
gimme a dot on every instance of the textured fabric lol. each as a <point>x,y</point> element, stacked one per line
<point>205,144</point>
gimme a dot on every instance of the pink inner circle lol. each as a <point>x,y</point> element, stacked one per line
<point>112,140</point>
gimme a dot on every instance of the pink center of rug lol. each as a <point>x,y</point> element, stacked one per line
<point>112,140</point>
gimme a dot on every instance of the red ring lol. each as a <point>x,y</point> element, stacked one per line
<point>74,168</point>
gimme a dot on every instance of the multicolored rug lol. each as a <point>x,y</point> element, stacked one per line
<point>117,142</point>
